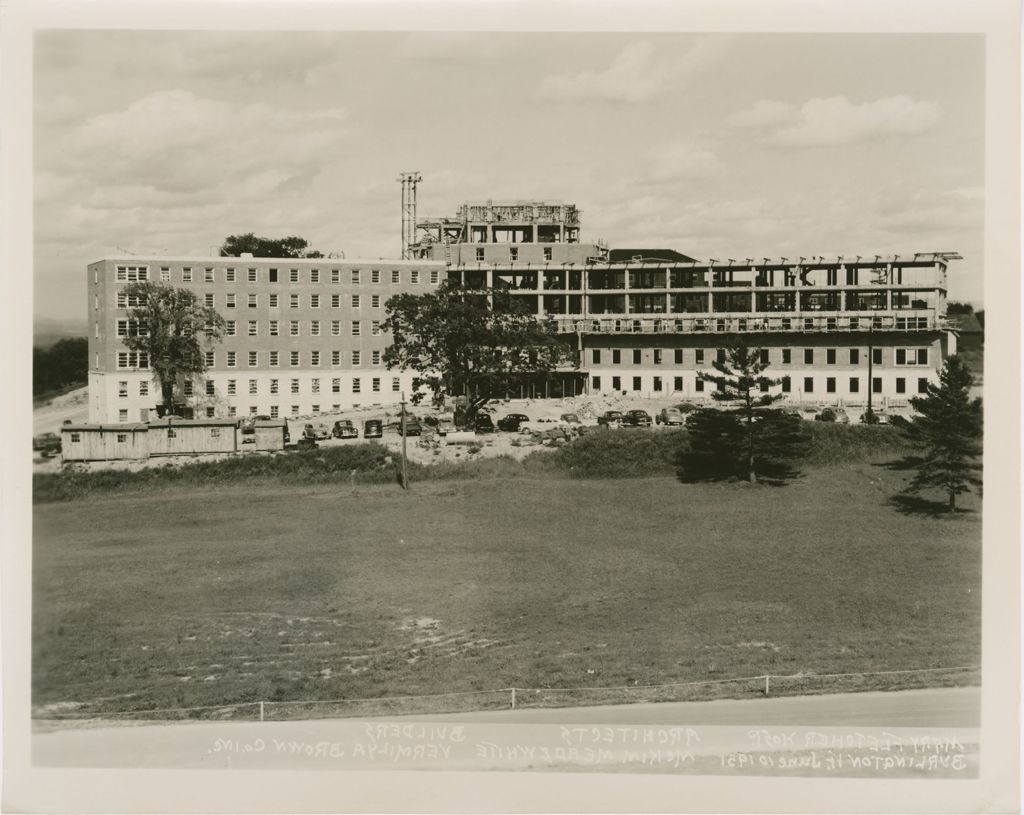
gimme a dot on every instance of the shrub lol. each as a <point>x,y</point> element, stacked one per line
<point>616,454</point>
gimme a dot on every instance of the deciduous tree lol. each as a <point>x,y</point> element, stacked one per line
<point>170,326</point>
<point>470,343</point>
<point>290,247</point>
<point>948,431</point>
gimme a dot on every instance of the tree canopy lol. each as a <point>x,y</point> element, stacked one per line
<point>948,430</point>
<point>290,247</point>
<point>748,438</point>
<point>170,326</point>
<point>64,363</point>
<point>465,342</point>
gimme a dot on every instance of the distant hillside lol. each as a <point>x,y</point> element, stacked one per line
<point>46,330</point>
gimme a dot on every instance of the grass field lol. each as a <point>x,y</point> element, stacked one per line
<point>197,597</point>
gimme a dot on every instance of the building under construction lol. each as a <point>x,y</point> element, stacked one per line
<point>647,321</point>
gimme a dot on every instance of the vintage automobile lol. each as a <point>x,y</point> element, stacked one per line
<point>316,432</point>
<point>610,418</point>
<point>344,429</point>
<point>483,424</point>
<point>669,416</point>
<point>511,423</point>
<point>373,429</point>
<point>637,418</point>
<point>412,426</point>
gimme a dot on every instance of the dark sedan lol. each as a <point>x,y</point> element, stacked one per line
<point>344,429</point>
<point>373,429</point>
<point>483,424</point>
<point>637,418</point>
<point>512,422</point>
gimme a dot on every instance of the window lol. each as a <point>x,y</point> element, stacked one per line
<point>316,409</point>
<point>657,383</point>
<point>375,357</point>
<point>315,385</point>
<point>273,386</point>
<point>636,383</point>
<point>165,274</point>
<point>232,384</point>
<point>595,356</point>
<point>786,384</point>
<point>764,356</point>
<point>76,437</point>
<point>414,275</point>
<point>547,253</point>
<point>335,386</point>
<point>479,253</point>
<point>922,385</point>
<point>876,356</point>
<point>253,386</point>
<point>229,328</point>
<point>355,358</point>
<point>356,385</point>
<point>657,358</point>
<point>595,383</point>
<point>295,410</point>
<point>355,301</point>
<point>122,438</point>
<point>335,357</point>
<point>272,275</point>
<point>253,300</point>
<point>229,275</point>
<point>433,275</point>
<point>274,412</point>
<point>396,384</point>
<point>335,275</point>
<point>294,359</point>
<point>699,385</point>
<point>808,356</point>
<point>253,328</point>
<point>808,384</point>
<point>124,300</point>
<point>375,276</point>
<point>830,356</point>
<point>513,253</point>
<point>295,386</point>
<point>314,328</point>
<point>130,328</point>
<point>229,301</point>
<point>293,328</point>
<point>232,411</point>
<point>293,275</point>
<point>274,330</point>
<point>314,301</point>
<point>854,356</point>
<point>699,356</point>
<point>314,275</point>
<point>211,389</point>
<point>396,276</point>
<point>207,275</point>
<point>616,383</point>
<point>335,301</point>
<point>637,356</point>
<point>253,276</point>
<point>273,300</point>
<point>336,328</point>
<point>254,358</point>
<point>720,354</point>
<point>133,274</point>
<point>876,384</point>
<point>375,384</point>
<point>787,356</point>
<point>314,358</point>
<point>375,328</point>
<point>209,358</point>
<point>122,390</point>
<point>273,359</point>
<point>186,275</point>
<point>144,388</point>
<point>854,384</point>
<point>355,277</point>
<point>208,300</point>
<point>678,356</point>
<point>355,328</point>
<point>911,356</point>
<point>187,387</point>
<point>131,359</point>
<point>616,357</point>
<point>122,415</point>
<point>830,384</point>
<point>293,301</point>
<point>901,385</point>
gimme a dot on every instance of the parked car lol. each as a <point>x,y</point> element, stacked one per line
<point>344,429</point>
<point>412,425</point>
<point>833,415</point>
<point>511,423</point>
<point>570,418</point>
<point>445,424</point>
<point>483,423</point>
<point>610,418</point>
<point>637,418</point>
<point>318,431</point>
<point>669,416</point>
<point>373,429</point>
<point>46,443</point>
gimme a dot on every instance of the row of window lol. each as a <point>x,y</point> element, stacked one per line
<point>294,328</point>
<point>513,253</point>
<point>252,275</point>
<point>901,356</point>
<point>132,360</point>
<point>274,386</point>
<point>786,383</point>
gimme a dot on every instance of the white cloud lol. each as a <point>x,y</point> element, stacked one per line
<point>836,120</point>
<point>637,74</point>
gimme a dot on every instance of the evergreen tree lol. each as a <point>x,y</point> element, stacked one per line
<point>750,437</point>
<point>948,430</point>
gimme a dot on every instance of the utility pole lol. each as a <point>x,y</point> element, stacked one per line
<point>405,474</point>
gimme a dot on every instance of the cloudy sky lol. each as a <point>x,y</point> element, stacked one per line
<point>724,146</point>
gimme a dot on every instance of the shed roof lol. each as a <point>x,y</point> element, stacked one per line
<point>135,427</point>
<point>175,422</point>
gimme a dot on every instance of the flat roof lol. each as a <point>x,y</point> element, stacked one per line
<point>215,259</point>
<point>120,428</point>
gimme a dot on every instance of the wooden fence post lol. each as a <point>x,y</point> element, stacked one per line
<point>513,698</point>
<point>767,684</point>
<point>261,711</point>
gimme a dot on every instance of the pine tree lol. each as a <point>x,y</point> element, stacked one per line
<point>948,429</point>
<point>750,437</point>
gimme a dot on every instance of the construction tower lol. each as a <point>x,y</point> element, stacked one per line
<point>409,182</point>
